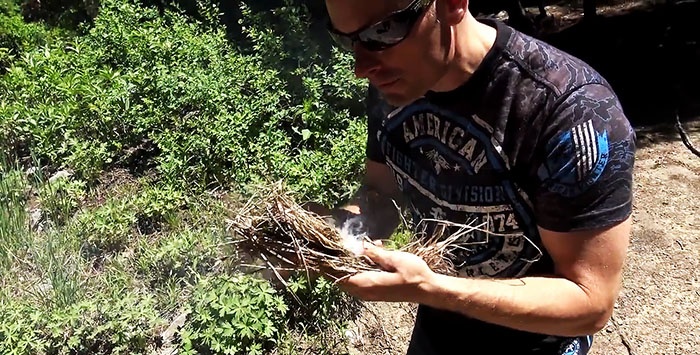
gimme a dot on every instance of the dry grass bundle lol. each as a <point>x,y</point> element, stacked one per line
<point>281,232</point>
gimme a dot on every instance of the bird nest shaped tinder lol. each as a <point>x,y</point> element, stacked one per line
<point>281,232</point>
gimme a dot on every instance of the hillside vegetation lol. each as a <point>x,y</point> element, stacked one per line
<point>128,131</point>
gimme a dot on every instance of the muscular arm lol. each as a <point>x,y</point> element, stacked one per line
<point>577,300</point>
<point>588,204</point>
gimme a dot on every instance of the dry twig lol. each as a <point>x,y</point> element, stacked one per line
<point>273,226</point>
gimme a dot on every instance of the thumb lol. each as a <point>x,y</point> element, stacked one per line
<point>380,256</point>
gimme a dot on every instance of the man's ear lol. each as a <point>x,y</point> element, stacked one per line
<point>451,12</point>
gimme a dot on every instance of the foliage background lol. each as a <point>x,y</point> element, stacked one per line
<point>128,130</point>
<point>205,105</point>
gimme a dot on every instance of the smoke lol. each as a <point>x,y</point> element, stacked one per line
<point>354,232</point>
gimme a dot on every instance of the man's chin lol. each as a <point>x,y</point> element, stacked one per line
<point>399,97</point>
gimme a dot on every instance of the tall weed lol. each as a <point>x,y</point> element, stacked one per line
<point>14,219</point>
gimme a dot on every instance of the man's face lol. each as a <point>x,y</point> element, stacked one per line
<point>406,71</point>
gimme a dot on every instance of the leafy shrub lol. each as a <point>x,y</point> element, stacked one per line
<point>15,34</point>
<point>330,177</point>
<point>19,328</point>
<point>237,315</point>
<point>107,228</point>
<point>120,325</point>
<point>179,255</point>
<point>53,107</point>
<point>123,325</point>
<point>318,304</point>
<point>161,200</point>
<point>61,197</point>
<point>215,114</point>
<point>157,205</point>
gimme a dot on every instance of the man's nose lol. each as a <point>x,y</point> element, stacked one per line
<point>366,62</point>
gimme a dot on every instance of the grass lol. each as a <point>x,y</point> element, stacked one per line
<point>14,231</point>
<point>99,260</point>
<point>106,269</point>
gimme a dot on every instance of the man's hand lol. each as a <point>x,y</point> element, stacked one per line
<point>576,300</point>
<point>403,280</point>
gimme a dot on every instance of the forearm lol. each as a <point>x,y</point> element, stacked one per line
<point>553,306</point>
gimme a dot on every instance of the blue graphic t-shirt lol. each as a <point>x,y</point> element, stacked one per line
<point>535,138</point>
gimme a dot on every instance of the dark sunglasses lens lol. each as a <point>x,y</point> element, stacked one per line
<point>342,41</point>
<point>389,32</point>
<point>385,34</point>
<point>375,46</point>
<point>382,35</point>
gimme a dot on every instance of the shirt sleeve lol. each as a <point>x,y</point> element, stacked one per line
<point>585,179</point>
<point>376,112</point>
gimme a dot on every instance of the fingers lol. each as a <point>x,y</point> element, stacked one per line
<point>380,256</point>
<point>370,285</point>
<point>373,278</point>
<point>379,286</point>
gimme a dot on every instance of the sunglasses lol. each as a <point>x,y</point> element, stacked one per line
<point>384,34</point>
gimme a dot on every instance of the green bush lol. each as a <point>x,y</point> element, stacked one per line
<point>158,207</point>
<point>179,255</point>
<point>161,201</point>
<point>15,34</point>
<point>61,198</point>
<point>213,113</point>
<point>318,305</point>
<point>236,315</point>
<point>120,325</point>
<point>20,328</point>
<point>106,229</point>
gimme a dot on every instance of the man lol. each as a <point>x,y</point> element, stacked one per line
<point>472,122</point>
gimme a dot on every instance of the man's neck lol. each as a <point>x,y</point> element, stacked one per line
<point>471,40</point>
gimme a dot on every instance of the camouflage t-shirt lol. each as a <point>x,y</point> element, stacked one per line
<point>534,138</point>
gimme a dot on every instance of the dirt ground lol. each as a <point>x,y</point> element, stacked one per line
<point>658,311</point>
